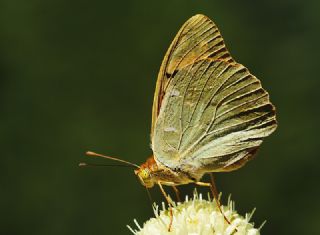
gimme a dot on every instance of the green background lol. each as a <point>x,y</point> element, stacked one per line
<point>80,75</point>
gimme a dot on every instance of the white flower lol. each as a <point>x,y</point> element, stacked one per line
<point>197,217</point>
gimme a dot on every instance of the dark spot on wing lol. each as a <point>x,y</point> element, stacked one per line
<point>170,75</point>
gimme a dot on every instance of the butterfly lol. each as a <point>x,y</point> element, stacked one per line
<point>209,114</point>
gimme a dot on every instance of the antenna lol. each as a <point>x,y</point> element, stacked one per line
<point>93,154</point>
<point>85,164</point>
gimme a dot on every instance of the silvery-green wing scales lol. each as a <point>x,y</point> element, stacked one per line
<point>213,114</point>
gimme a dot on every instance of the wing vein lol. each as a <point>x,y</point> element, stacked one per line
<point>201,92</point>
<point>182,103</point>
<point>241,123</point>
<point>194,34</point>
<point>242,104</point>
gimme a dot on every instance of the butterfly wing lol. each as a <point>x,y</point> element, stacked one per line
<point>198,38</point>
<point>213,113</point>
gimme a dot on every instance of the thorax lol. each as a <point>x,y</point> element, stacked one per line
<point>152,172</point>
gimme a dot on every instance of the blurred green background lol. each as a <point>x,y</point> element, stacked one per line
<point>80,75</point>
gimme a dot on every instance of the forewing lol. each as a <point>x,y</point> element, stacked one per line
<point>214,114</point>
<point>198,39</point>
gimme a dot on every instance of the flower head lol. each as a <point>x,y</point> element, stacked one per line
<point>197,216</point>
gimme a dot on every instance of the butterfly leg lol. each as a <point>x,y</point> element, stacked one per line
<point>149,196</point>
<point>213,189</point>
<point>169,203</point>
<point>216,196</point>
<point>177,193</point>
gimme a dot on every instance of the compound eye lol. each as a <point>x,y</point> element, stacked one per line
<point>145,174</point>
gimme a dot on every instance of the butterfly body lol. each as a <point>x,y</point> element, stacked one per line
<point>151,173</point>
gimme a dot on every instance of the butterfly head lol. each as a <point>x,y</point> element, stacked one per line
<point>145,172</point>
<point>145,177</point>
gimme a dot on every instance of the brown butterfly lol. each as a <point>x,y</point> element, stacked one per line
<point>210,114</point>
